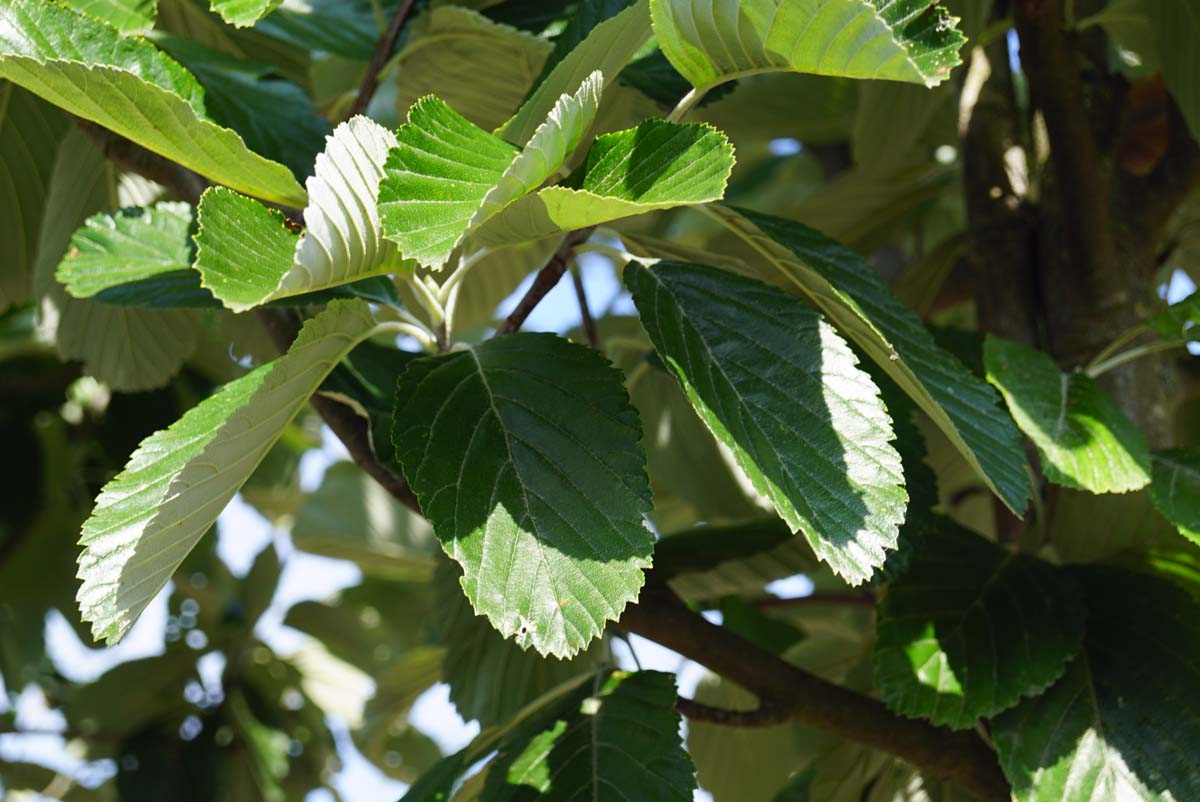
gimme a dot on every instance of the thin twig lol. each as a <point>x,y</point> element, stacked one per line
<point>383,51</point>
<point>1125,357</point>
<point>546,280</point>
<point>589,323</point>
<point>764,715</point>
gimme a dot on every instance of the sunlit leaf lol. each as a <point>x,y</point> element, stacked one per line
<point>657,165</point>
<point>1085,442</point>
<point>712,41</point>
<point>606,49</point>
<point>805,424</point>
<point>446,176</point>
<point>179,480</point>
<point>849,290</point>
<point>475,650</point>
<point>130,87</point>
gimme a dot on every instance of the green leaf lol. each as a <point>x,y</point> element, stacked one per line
<point>115,248</point>
<point>1175,24</point>
<point>125,84</point>
<point>609,46</point>
<point>766,106</point>
<point>867,208</point>
<point>442,54</point>
<point>492,678</point>
<point>713,41</point>
<point>132,694</point>
<point>352,517</point>
<point>247,255</point>
<point>554,140</point>
<point>153,343</point>
<point>1178,321</point>
<point>849,772</point>
<point>243,13</point>
<point>1085,442</point>
<point>243,249</point>
<point>526,446</point>
<point>892,121</point>
<point>1122,722</point>
<point>805,424</point>
<point>124,15</point>
<point>1175,489</point>
<point>342,240</point>
<point>657,165</point>
<point>30,133</point>
<point>274,116</point>
<point>447,176</point>
<point>436,178</point>
<point>849,290</point>
<point>617,732</point>
<point>970,629</point>
<point>656,78</point>
<point>179,480</point>
<point>580,22</point>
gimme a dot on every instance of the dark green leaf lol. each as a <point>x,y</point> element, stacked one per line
<point>1123,721</point>
<point>805,424</point>
<point>849,290</point>
<point>526,446</point>
<point>30,133</point>
<point>619,731</point>
<point>969,630</point>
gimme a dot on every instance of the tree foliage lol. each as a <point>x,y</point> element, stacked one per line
<point>897,306</point>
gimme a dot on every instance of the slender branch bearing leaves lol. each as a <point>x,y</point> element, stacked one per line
<point>371,356</point>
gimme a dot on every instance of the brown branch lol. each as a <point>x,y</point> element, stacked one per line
<point>383,51</point>
<point>349,427</point>
<point>961,757</point>
<point>546,280</point>
<point>762,716</point>
<point>589,323</point>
